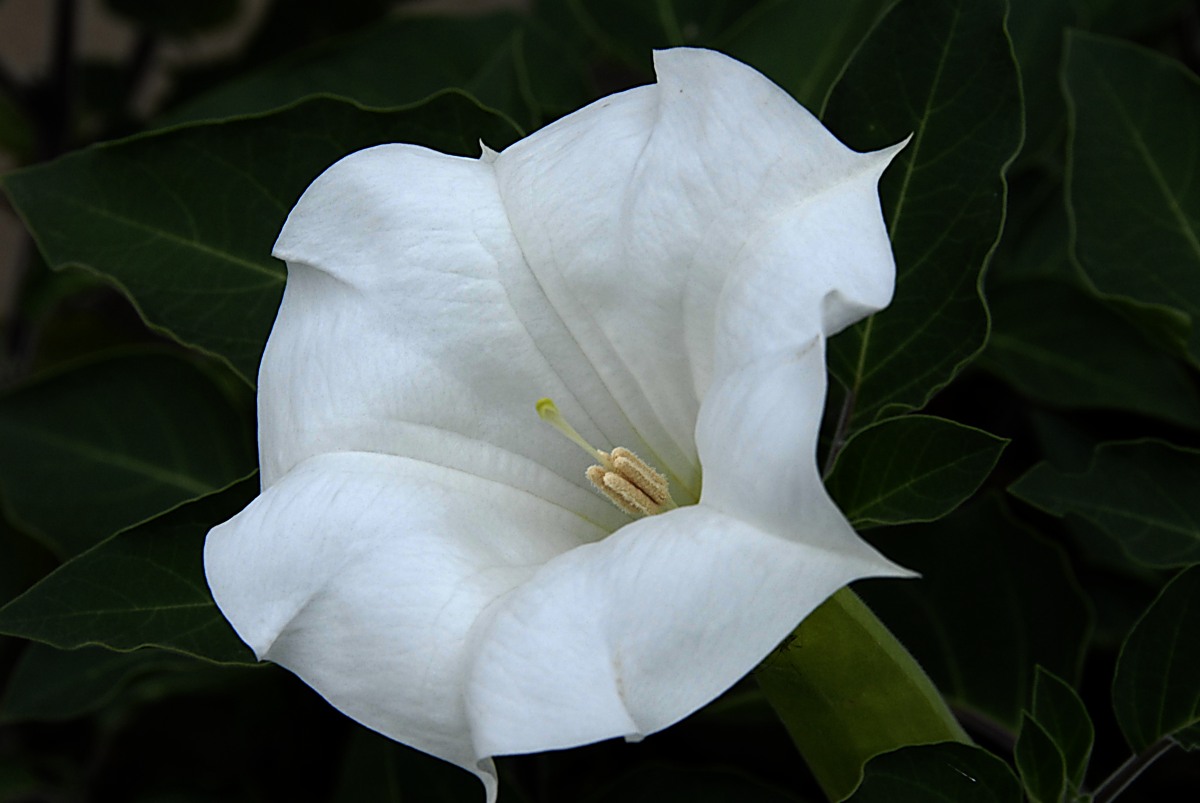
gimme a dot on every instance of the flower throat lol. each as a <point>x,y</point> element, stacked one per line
<point>627,480</point>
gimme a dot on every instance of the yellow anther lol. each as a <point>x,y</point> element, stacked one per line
<point>626,479</point>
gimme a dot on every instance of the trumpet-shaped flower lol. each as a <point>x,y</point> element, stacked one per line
<point>437,562</point>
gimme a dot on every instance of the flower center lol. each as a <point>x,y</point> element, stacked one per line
<point>627,480</point>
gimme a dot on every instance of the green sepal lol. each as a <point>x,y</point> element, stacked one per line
<point>847,691</point>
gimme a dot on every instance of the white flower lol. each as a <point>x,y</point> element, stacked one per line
<point>666,264</point>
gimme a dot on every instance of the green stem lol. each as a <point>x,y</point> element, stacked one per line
<point>847,690</point>
<point>1128,772</point>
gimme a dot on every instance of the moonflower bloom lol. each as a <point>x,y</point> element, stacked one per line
<point>430,556</point>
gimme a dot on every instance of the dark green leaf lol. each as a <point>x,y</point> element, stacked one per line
<point>1060,712</point>
<point>667,785</point>
<point>1040,763</point>
<point>1036,27</point>
<point>628,31</point>
<point>802,45</point>
<point>943,71</point>
<point>1188,738</point>
<point>504,61</point>
<point>993,600</point>
<point>1065,348</point>
<point>142,587</point>
<point>184,220</point>
<point>1156,690</point>
<point>1037,236</point>
<point>49,684</point>
<point>1125,18</point>
<point>122,438</point>
<point>1143,494</point>
<point>376,769</point>
<point>910,469</point>
<point>25,561</point>
<point>938,773</point>
<point>17,780</point>
<point>1133,190</point>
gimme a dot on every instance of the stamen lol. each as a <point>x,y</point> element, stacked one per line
<point>639,472</point>
<point>626,479</point>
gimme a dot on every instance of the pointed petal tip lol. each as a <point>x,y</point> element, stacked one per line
<point>486,154</point>
<point>886,155</point>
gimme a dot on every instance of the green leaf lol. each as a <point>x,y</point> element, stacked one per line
<point>1142,493</point>
<point>1040,763</point>
<point>802,45</point>
<point>1036,27</point>
<point>1156,689</point>
<point>910,469</point>
<point>1133,190</point>
<point>183,220</point>
<point>994,599</point>
<point>670,785</point>
<point>943,71</point>
<point>142,587</point>
<point>505,61</point>
<point>1062,347</point>
<point>629,31</point>
<point>938,773</point>
<point>49,684</point>
<point>1064,718</point>
<point>847,691</point>
<point>109,443</point>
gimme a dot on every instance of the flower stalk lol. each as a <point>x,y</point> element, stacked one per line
<point>848,690</point>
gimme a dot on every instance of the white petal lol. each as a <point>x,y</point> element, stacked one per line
<point>366,575</point>
<point>629,635</point>
<point>411,325</point>
<point>666,264</point>
<point>634,212</point>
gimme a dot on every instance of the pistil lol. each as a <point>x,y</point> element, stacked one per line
<point>628,481</point>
